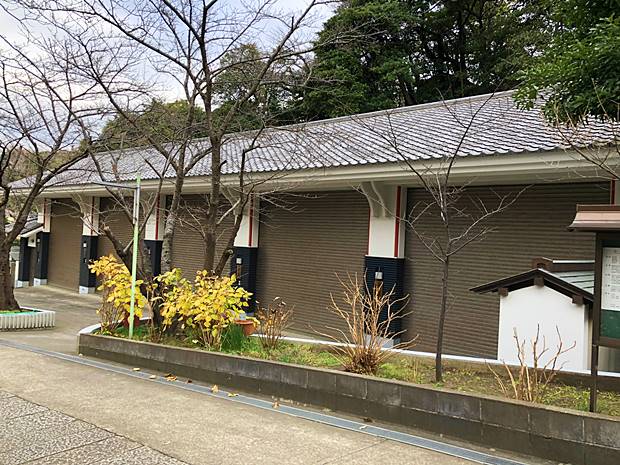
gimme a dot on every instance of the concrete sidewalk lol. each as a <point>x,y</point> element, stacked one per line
<point>73,312</point>
<point>31,433</point>
<point>191,427</point>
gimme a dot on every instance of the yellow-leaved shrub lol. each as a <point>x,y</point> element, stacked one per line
<point>209,305</point>
<point>116,287</point>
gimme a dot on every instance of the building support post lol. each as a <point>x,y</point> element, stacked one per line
<point>244,260</point>
<point>154,232</point>
<point>42,247</point>
<point>90,239</point>
<point>385,258</point>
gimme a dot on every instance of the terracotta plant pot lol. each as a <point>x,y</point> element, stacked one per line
<point>248,326</point>
<point>136,321</point>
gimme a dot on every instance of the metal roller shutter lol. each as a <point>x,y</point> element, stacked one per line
<point>112,217</point>
<point>188,244</point>
<point>65,244</point>
<point>302,248</point>
<point>536,225</point>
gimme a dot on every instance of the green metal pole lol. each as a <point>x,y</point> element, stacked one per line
<point>134,258</point>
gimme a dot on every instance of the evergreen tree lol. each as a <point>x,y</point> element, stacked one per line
<point>405,52</point>
<point>579,73</point>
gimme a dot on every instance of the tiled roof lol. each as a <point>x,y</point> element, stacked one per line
<point>31,225</point>
<point>582,279</point>
<point>420,132</point>
<point>555,281</point>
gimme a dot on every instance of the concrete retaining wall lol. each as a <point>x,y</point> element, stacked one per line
<point>554,433</point>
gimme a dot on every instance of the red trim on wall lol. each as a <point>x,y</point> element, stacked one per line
<point>368,241</point>
<point>251,224</point>
<point>92,215</point>
<point>157,219</point>
<point>46,222</point>
<point>397,223</point>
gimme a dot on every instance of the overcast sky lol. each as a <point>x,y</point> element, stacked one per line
<point>10,28</point>
<point>169,90</point>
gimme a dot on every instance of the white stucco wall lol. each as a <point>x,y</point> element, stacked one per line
<point>526,308</point>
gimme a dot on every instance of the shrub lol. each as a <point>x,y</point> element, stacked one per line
<point>273,321</point>
<point>116,287</point>
<point>209,304</point>
<point>532,383</point>
<point>368,315</point>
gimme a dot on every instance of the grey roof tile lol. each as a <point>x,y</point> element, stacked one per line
<point>419,132</point>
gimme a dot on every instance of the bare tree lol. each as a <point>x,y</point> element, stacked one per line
<point>46,110</point>
<point>184,47</point>
<point>463,218</point>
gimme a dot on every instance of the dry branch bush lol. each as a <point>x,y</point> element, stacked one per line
<point>368,316</point>
<point>531,383</point>
<point>274,319</point>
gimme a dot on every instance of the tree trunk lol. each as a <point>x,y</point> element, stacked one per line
<point>210,243</point>
<point>442,320</point>
<point>169,227</point>
<point>229,252</point>
<point>7,297</point>
<point>214,204</point>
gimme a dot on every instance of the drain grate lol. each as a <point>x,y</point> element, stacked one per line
<point>324,418</point>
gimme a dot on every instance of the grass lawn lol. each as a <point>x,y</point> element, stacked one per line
<point>418,370</point>
<point>14,312</point>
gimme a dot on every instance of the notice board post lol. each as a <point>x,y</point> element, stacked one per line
<point>604,221</point>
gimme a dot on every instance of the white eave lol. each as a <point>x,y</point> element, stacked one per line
<point>515,168</point>
<point>32,232</point>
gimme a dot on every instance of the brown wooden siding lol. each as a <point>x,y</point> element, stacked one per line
<point>65,244</point>
<point>188,250</point>
<point>303,247</point>
<point>534,226</point>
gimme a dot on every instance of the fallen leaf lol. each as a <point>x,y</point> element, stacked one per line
<point>153,377</point>
<point>136,369</point>
<point>367,420</point>
<point>171,378</point>
<point>189,381</point>
<point>232,394</point>
<point>215,389</point>
<point>276,404</point>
